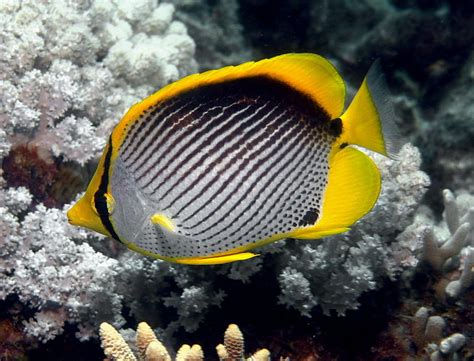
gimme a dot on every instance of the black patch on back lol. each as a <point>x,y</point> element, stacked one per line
<point>258,89</point>
<point>309,218</point>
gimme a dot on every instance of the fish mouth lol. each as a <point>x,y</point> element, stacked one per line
<point>77,214</point>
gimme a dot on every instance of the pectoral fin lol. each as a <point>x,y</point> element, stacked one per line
<point>163,221</point>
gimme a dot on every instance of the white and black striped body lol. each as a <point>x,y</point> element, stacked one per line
<point>230,164</point>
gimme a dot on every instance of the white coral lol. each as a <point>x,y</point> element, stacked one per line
<point>62,88</point>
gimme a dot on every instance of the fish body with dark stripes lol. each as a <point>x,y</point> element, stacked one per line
<point>219,163</point>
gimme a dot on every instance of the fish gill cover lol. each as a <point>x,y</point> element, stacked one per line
<point>68,73</point>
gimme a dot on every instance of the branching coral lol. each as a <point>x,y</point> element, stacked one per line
<point>436,252</point>
<point>447,246</point>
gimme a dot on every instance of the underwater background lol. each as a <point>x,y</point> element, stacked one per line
<point>398,286</point>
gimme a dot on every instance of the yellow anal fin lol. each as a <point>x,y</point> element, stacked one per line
<point>216,259</point>
<point>353,188</point>
<point>370,120</point>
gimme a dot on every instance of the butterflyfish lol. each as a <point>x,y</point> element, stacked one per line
<point>221,162</point>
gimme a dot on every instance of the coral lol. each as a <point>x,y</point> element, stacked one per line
<point>67,76</point>
<point>261,355</point>
<point>151,349</point>
<point>56,89</point>
<point>153,287</point>
<point>62,280</point>
<point>427,333</point>
<point>190,353</point>
<point>234,342</point>
<point>427,329</point>
<point>437,252</point>
<point>114,345</point>
<point>456,287</point>
<point>447,244</point>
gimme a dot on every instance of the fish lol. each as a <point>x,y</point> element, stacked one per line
<point>221,162</point>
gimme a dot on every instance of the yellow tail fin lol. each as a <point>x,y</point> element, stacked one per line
<point>370,120</point>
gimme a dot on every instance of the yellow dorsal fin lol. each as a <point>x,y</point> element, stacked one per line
<point>308,73</point>
<point>370,120</point>
<point>353,188</point>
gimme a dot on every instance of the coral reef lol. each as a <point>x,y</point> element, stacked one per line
<point>149,348</point>
<point>68,73</point>
<point>52,84</point>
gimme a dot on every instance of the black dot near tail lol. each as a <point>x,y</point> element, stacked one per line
<point>335,127</point>
<point>310,217</point>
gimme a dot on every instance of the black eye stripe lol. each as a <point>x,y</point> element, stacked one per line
<point>99,197</point>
